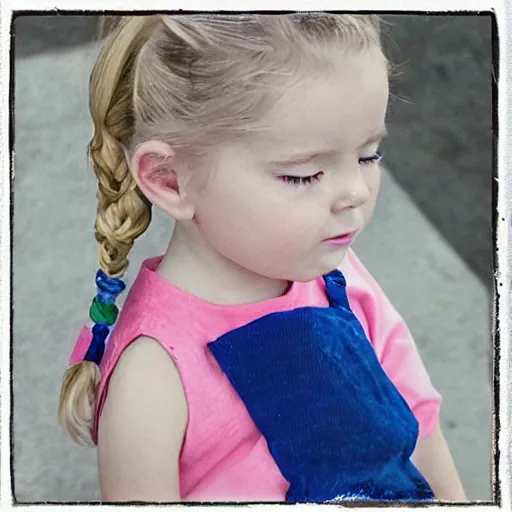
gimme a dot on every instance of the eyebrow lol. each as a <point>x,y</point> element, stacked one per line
<point>310,155</point>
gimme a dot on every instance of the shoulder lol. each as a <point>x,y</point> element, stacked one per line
<point>142,426</point>
<point>146,374</point>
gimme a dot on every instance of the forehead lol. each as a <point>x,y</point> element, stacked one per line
<point>335,105</point>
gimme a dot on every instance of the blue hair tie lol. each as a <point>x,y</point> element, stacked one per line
<point>103,312</point>
<point>109,285</point>
<point>97,346</point>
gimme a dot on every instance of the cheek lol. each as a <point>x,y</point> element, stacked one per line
<point>374,181</point>
<point>276,224</point>
<point>295,218</point>
<point>261,205</point>
<point>259,223</point>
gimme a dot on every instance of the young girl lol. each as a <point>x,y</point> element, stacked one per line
<point>257,359</point>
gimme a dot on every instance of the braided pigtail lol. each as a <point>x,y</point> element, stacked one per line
<point>123,213</point>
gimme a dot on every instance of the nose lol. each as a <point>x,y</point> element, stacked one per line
<point>352,191</point>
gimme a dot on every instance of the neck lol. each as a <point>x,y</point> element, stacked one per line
<point>195,267</point>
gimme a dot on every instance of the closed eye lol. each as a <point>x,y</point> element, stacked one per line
<point>377,157</point>
<point>299,181</point>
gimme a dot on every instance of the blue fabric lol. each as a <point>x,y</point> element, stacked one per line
<point>335,425</point>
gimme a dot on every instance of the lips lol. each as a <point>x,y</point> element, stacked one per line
<point>344,236</point>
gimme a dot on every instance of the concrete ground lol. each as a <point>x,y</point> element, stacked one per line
<point>440,127</point>
<point>441,290</point>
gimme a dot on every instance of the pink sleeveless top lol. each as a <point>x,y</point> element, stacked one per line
<point>224,457</point>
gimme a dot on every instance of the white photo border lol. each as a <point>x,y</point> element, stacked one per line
<point>503,226</point>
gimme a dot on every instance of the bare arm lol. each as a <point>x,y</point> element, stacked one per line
<point>142,427</point>
<point>433,459</point>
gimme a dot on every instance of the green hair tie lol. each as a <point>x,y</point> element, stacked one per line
<point>102,313</point>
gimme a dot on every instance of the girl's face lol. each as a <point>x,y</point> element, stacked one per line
<point>275,199</point>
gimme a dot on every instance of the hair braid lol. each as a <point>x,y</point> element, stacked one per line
<point>123,213</point>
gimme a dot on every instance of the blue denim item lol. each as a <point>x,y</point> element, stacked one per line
<point>335,425</point>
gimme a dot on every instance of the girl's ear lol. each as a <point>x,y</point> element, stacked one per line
<point>156,171</point>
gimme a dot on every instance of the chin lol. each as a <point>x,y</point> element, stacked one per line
<point>309,269</point>
<point>314,273</point>
<point>332,263</point>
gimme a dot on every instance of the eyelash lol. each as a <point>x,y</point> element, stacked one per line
<point>377,157</point>
<point>299,181</point>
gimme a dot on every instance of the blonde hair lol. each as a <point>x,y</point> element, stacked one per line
<point>191,81</point>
